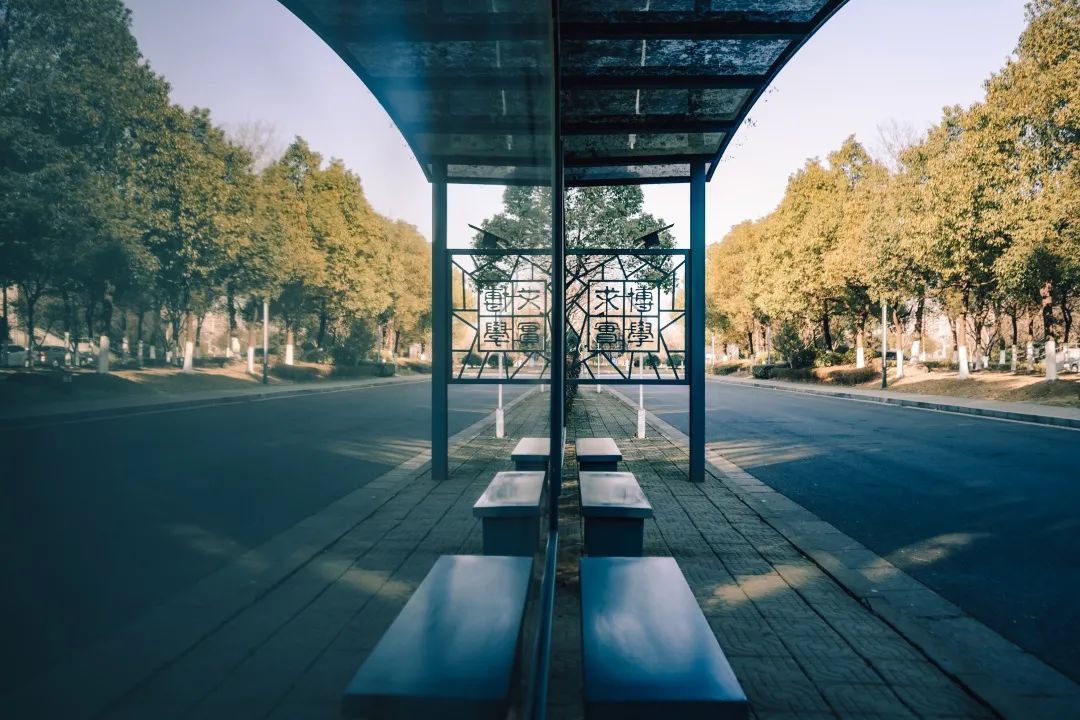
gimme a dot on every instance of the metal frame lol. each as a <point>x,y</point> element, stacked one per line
<point>457,312</point>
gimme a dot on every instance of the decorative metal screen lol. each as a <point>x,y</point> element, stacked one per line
<point>625,316</point>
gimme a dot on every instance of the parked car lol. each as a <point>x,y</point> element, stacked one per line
<point>1069,358</point>
<point>51,355</point>
<point>13,356</point>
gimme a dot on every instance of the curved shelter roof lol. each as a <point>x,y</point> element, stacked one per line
<point>647,86</point>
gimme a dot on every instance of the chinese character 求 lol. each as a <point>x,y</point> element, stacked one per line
<point>605,300</point>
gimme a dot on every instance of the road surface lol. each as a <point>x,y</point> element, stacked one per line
<point>103,519</point>
<point>985,512</point>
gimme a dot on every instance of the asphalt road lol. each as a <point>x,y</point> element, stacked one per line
<point>103,519</point>
<point>985,512</point>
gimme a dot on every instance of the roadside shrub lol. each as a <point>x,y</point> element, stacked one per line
<point>367,368</point>
<point>791,347</point>
<point>765,372</point>
<point>652,361</point>
<point>727,368</point>
<point>417,366</point>
<point>676,360</point>
<point>298,373</point>
<point>828,358</point>
<point>851,376</point>
<point>793,374</point>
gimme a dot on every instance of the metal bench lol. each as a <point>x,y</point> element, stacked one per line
<point>597,454</point>
<point>647,650</point>
<point>614,509</point>
<point>510,509</point>
<point>450,653</point>
<point>532,453</point>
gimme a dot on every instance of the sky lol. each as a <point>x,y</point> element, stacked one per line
<point>876,64</point>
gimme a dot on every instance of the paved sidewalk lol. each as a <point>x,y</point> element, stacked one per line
<point>1020,411</point>
<point>81,409</point>
<point>279,633</point>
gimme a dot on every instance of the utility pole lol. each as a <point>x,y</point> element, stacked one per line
<point>884,346</point>
<point>266,341</point>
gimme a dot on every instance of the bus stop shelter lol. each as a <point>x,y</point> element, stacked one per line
<point>563,93</point>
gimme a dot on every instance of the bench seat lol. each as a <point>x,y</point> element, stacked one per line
<point>532,453</point>
<point>597,454</point>
<point>510,510</point>
<point>647,650</point>
<point>450,653</point>
<point>613,509</point>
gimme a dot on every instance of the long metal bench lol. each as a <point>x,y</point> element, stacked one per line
<point>532,453</point>
<point>450,653</point>
<point>614,509</point>
<point>510,510</point>
<point>647,650</point>
<point>597,454</point>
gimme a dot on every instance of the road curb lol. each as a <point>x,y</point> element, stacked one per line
<point>125,410</point>
<point>1049,420</point>
<point>1000,674</point>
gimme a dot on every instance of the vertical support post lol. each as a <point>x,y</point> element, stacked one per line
<point>440,328</point>
<point>557,415</point>
<point>641,399</point>
<point>500,425</point>
<point>696,306</point>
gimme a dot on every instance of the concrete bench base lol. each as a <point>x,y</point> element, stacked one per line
<point>614,510</point>
<point>451,651</point>
<point>510,508</point>
<point>531,454</point>
<point>597,454</point>
<point>647,650</point>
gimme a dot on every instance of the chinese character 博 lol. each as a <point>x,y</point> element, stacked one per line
<point>640,332</point>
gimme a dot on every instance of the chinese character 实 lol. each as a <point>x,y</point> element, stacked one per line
<point>640,332</point>
<point>528,297</point>
<point>528,334</point>
<point>495,332</point>
<point>494,298</point>
<point>607,333</point>
<point>642,299</point>
<point>606,297</point>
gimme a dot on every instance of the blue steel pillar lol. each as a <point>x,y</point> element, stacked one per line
<point>558,291</point>
<point>440,328</point>
<point>696,340</point>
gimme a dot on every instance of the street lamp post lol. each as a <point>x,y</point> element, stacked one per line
<point>884,346</point>
<point>266,342</point>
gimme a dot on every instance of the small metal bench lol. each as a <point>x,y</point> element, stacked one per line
<point>647,650</point>
<point>597,454</point>
<point>450,653</point>
<point>532,453</point>
<point>510,509</point>
<point>614,509</point>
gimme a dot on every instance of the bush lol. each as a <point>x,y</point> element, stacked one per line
<point>791,347</point>
<point>366,368</point>
<point>727,368</point>
<point>675,360</point>
<point>793,374</point>
<point>764,372</point>
<point>298,373</point>
<point>851,376</point>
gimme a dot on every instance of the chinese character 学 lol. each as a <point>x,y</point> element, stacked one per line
<point>641,298</point>
<point>528,296</point>
<point>607,333</point>
<point>605,300</point>
<point>528,334</point>
<point>640,332</point>
<point>494,297</point>
<point>495,332</point>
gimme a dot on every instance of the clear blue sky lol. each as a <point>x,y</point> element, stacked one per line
<point>875,63</point>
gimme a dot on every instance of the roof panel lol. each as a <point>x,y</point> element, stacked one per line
<point>648,85</point>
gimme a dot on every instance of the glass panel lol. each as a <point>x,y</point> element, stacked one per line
<point>675,57</point>
<point>704,104</point>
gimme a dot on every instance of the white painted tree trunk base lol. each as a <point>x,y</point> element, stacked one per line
<point>916,350</point>
<point>1031,357</point>
<point>189,357</point>
<point>860,357</point>
<point>899,364</point>
<point>251,359</point>
<point>1050,363</point>
<point>1012,361</point>
<point>153,352</point>
<point>142,349</point>
<point>289,350</point>
<point>962,359</point>
<point>103,355</point>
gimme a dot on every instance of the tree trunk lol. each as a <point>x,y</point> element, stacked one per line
<point>1066,317</point>
<point>750,340</point>
<point>1046,293</point>
<point>961,340</point>
<point>826,332</point>
<point>30,300</point>
<point>1015,329</point>
<point>860,344</point>
<point>323,319</point>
